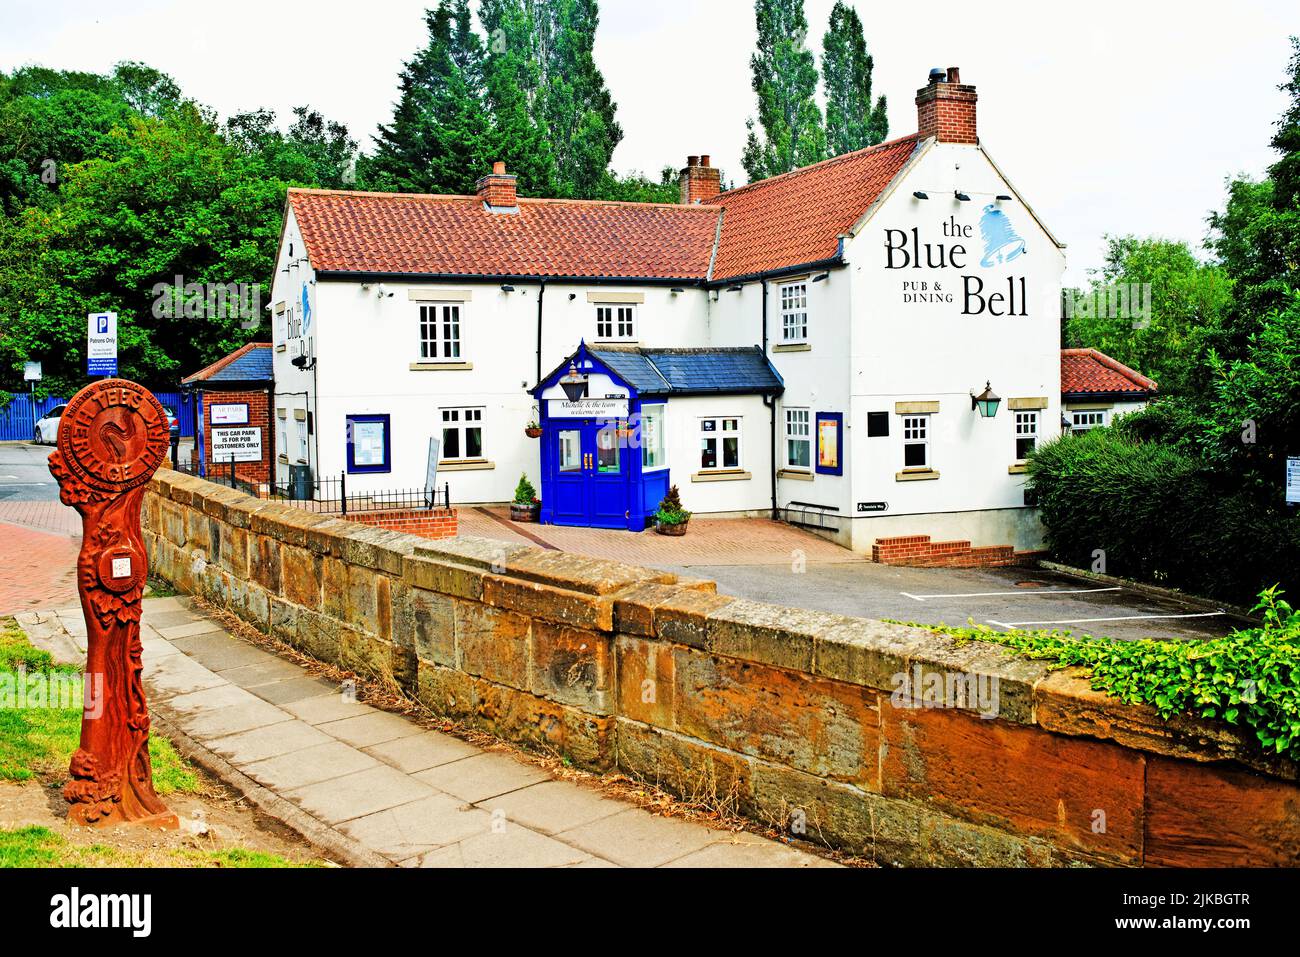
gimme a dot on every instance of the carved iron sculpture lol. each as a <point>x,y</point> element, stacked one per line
<point>112,438</point>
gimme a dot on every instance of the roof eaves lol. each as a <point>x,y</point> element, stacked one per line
<point>922,147</point>
<point>1020,199</point>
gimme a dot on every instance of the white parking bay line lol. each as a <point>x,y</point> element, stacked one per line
<point>1028,592</point>
<point>1081,621</point>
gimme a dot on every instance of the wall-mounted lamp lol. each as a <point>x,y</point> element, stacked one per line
<point>676,290</point>
<point>986,402</point>
<point>1003,198</point>
<point>822,277</point>
<point>573,384</point>
<point>572,296</point>
<point>920,194</point>
<point>734,288</point>
<point>961,196</point>
<point>506,288</point>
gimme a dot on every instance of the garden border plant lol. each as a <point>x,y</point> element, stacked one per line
<point>1250,677</point>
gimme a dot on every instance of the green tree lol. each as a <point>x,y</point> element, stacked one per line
<point>785,81</point>
<point>852,122</point>
<point>437,141</point>
<point>1187,302</point>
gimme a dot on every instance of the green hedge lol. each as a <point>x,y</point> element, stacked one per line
<point>1161,516</point>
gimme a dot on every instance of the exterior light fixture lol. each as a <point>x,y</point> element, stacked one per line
<point>676,289</point>
<point>824,275</point>
<point>986,402</point>
<point>1003,198</point>
<point>733,288</point>
<point>920,194</point>
<point>961,196</point>
<point>573,384</point>
<point>507,288</point>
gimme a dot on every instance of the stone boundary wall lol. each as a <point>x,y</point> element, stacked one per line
<point>794,715</point>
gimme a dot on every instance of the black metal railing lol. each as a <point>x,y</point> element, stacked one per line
<point>327,494</point>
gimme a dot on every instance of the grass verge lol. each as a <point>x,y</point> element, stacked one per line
<point>40,847</point>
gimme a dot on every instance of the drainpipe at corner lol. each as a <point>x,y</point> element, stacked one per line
<point>541,294</point>
<point>770,402</point>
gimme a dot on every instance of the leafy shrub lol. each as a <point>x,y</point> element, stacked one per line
<point>1249,677</point>
<point>1160,515</point>
<point>525,494</point>
<point>671,511</point>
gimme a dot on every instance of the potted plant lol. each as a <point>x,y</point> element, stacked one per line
<point>533,430</point>
<point>526,507</point>
<point>671,518</point>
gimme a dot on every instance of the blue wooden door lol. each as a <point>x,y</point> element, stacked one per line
<point>610,474</point>
<point>569,496</point>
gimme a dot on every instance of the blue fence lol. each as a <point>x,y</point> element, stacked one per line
<point>16,418</point>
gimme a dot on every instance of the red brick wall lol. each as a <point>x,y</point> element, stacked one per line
<point>259,415</point>
<point>919,552</point>
<point>947,110</point>
<point>427,523</point>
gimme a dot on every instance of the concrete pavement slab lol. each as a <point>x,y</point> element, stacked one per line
<point>513,846</point>
<point>192,628</point>
<point>482,776</point>
<point>294,690</point>
<point>636,838</point>
<point>297,769</point>
<point>366,729</point>
<point>420,752</point>
<point>554,806</point>
<point>410,830</point>
<point>178,675</point>
<point>325,708</point>
<point>749,852</point>
<point>357,795</point>
<point>268,741</point>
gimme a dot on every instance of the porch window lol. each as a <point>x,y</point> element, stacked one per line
<point>440,330</point>
<point>798,439</point>
<point>652,437</point>
<point>616,321</point>
<point>1026,434</point>
<point>794,312</point>
<point>719,444</point>
<point>462,434</point>
<point>570,450</point>
<point>916,441</point>
<point>610,440</point>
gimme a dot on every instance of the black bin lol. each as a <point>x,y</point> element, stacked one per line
<point>300,483</point>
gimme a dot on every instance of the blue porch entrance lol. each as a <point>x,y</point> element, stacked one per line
<point>594,471</point>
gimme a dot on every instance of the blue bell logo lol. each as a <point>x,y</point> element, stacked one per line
<point>306,310</point>
<point>1001,243</point>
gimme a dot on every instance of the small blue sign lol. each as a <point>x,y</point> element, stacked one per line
<point>101,367</point>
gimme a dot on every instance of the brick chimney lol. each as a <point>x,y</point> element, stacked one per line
<point>699,182</point>
<point>497,190</point>
<point>945,108</point>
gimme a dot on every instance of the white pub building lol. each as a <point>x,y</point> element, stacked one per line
<point>826,345</point>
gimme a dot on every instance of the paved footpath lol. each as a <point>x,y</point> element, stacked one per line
<point>416,798</point>
<point>37,568</point>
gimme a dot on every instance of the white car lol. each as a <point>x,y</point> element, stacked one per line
<point>47,427</point>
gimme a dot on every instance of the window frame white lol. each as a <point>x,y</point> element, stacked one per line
<point>793,311</point>
<point>718,435</point>
<point>461,423</point>
<point>1101,422</point>
<point>1025,425</point>
<point>303,443</point>
<point>440,346</point>
<point>621,323</point>
<point>916,432</point>
<point>791,413</point>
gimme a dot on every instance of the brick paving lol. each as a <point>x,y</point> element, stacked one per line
<point>732,541</point>
<point>51,516</point>
<point>38,569</point>
<point>416,797</point>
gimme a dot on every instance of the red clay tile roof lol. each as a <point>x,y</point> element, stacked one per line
<point>797,217</point>
<point>1087,371</point>
<point>403,233</point>
<point>254,371</point>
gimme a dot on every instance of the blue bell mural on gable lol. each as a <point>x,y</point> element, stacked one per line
<point>1001,242</point>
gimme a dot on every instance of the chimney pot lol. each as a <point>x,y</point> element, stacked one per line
<point>497,189</point>
<point>699,182</point>
<point>945,109</point>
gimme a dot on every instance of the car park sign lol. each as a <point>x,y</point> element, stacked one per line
<point>101,343</point>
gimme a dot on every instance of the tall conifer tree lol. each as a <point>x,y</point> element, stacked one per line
<point>785,80</point>
<point>852,122</point>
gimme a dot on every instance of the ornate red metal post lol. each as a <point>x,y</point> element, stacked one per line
<point>112,438</point>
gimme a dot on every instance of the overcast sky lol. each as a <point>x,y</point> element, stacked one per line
<point>1123,118</point>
